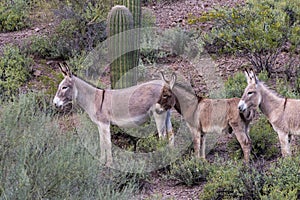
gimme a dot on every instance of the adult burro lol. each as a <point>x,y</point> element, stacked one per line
<point>282,113</point>
<point>207,116</point>
<point>129,107</point>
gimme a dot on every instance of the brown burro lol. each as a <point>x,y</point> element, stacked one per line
<point>129,107</point>
<point>204,116</point>
<point>282,113</point>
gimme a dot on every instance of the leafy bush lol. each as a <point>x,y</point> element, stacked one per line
<point>40,46</point>
<point>283,179</point>
<point>148,18</point>
<point>177,40</point>
<point>81,28</point>
<point>264,141</point>
<point>235,85</point>
<point>283,88</point>
<point>190,171</point>
<point>223,182</point>
<point>151,143</point>
<point>39,160</point>
<point>255,29</point>
<point>14,71</point>
<point>151,49</point>
<point>14,15</point>
<point>231,180</point>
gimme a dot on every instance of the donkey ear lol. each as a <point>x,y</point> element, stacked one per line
<point>65,70</point>
<point>248,77</point>
<point>173,80</point>
<point>253,77</point>
<point>162,76</point>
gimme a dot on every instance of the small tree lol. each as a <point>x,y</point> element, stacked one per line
<point>257,30</point>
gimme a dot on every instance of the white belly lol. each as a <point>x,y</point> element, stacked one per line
<point>130,122</point>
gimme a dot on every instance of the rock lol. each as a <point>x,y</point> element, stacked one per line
<point>37,72</point>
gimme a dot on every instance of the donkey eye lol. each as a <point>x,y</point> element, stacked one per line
<point>250,93</point>
<point>64,87</point>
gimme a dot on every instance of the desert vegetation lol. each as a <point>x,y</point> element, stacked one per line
<point>42,153</point>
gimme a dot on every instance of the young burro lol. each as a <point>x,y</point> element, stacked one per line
<point>129,107</point>
<point>206,116</point>
<point>282,113</point>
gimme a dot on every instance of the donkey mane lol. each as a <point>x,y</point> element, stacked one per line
<point>275,93</point>
<point>271,90</point>
<point>190,90</point>
<point>186,91</point>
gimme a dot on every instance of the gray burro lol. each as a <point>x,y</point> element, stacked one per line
<point>129,107</point>
<point>282,113</point>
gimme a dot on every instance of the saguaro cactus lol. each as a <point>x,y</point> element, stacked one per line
<point>135,8</point>
<point>123,72</point>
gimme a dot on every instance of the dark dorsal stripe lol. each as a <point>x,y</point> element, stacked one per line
<point>102,100</point>
<point>285,101</point>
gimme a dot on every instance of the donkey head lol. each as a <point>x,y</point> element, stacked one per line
<point>66,90</point>
<point>167,98</point>
<point>251,97</point>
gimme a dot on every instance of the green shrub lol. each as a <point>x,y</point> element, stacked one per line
<point>14,15</point>
<point>177,40</point>
<point>231,180</point>
<point>40,161</point>
<point>151,143</point>
<point>14,71</point>
<point>190,171</point>
<point>283,88</point>
<point>151,49</point>
<point>148,18</point>
<point>264,141</point>
<point>254,29</point>
<point>82,27</point>
<point>223,182</point>
<point>235,85</point>
<point>283,179</point>
<point>40,46</point>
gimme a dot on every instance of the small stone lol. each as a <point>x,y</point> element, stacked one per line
<point>37,72</point>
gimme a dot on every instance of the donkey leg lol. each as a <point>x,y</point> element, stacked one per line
<point>202,144</point>
<point>196,140</point>
<point>105,144</point>
<point>102,146</point>
<point>170,132</point>
<point>244,140</point>
<point>160,120</point>
<point>284,143</point>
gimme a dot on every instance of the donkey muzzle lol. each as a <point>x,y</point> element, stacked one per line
<point>57,102</point>
<point>242,106</point>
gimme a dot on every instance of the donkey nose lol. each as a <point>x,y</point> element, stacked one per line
<point>240,108</point>
<point>56,102</point>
